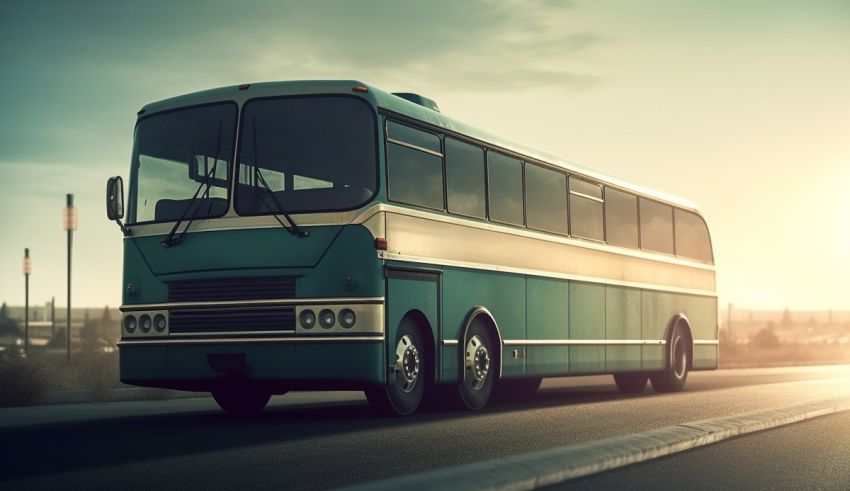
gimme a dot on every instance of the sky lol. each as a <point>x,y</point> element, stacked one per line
<point>742,107</point>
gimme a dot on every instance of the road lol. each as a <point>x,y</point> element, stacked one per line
<point>310,440</point>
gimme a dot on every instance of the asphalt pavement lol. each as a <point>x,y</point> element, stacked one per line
<point>322,440</point>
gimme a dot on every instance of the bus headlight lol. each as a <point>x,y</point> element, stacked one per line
<point>145,323</point>
<point>159,323</point>
<point>347,318</point>
<point>307,319</point>
<point>327,318</point>
<point>130,324</point>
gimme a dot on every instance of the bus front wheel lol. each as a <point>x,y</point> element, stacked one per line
<point>406,385</point>
<point>480,364</point>
<point>241,400</point>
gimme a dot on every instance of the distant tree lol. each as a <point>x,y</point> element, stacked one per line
<point>8,326</point>
<point>58,339</point>
<point>786,318</point>
<point>766,338</point>
<point>106,317</point>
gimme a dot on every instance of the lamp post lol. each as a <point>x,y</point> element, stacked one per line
<point>27,271</point>
<point>69,223</point>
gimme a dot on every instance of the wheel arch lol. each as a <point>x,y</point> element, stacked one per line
<point>484,314</point>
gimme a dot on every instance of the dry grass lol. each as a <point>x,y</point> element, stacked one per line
<point>24,380</point>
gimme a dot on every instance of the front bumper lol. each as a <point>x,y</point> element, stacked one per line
<point>291,357</point>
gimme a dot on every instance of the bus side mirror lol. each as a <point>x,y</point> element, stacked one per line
<point>115,198</point>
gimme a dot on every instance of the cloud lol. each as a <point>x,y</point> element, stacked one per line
<point>75,74</point>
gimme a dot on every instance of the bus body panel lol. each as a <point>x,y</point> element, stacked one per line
<point>622,321</point>
<point>548,314</point>
<point>587,322</point>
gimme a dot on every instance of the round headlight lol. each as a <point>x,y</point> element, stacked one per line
<point>347,318</point>
<point>159,323</point>
<point>307,319</point>
<point>327,318</point>
<point>145,323</point>
<point>130,324</point>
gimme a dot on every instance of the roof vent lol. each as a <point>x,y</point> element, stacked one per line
<point>418,99</point>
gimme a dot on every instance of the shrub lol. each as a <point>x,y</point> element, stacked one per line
<point>22,380</point>
<point>98,373</point>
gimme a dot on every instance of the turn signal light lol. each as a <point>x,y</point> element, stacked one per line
<point>360,88</point>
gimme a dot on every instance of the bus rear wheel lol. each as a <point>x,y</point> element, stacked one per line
<point>480,362</point>
<point>631,383</point>
<point>242,401</point>
<point>673,378</point>
<point>406,383</point>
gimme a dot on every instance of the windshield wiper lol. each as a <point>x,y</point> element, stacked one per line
<point>170,239</point>
<point>293,227</point>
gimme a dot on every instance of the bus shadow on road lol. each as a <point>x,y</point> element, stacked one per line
<point>86,445</point>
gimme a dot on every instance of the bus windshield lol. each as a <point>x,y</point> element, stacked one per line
<point>176,153</point>
<point>315,153</point>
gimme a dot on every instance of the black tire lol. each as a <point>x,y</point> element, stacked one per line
<point>673,378</point>
<point>512,390</point>
<point>480,363</point>
<point>406,384</point>
<point>242,400</point>
<point>631,382</point>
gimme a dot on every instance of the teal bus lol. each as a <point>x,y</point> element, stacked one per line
<point>328,235</point>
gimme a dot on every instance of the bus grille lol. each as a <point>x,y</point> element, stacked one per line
<point>213,321</point>
<point>231,289</point>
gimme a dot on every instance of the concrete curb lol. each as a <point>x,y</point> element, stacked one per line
<point>116,395</point>
<point>556,465</point>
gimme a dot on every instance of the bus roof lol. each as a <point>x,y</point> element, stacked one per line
<point>398,105</point>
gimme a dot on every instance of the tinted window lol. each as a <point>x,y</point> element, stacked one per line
<point>177,152</point>
<point>415,176</point>
<point>465,178</point>
<point>586,188</point>
<point>411,136</point>
<point>656,226</point>
<point>621,218</point>
<point>306,154</point>
<point>546,199</point>
<point>505,178</point>
<point>692,239</point>
<point>585,211</point>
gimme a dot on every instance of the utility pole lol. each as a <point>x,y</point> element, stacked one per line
<point>69,223</point>
<point>27,271</point>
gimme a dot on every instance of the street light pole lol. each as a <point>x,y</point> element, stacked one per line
<point>69,223</point>
<point>27,271</point>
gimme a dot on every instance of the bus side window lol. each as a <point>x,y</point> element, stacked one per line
<point>586,210</point>
<point>692,240</point>
<point>546,199</point>
<point>465,179</point>
<point>505,189</point>
<point>414,166</point>
<point>621,218</point>
<point>656,226</point>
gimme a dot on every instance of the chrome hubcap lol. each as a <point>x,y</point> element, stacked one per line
<point>406,364</point>
<point>477,362</point>
<point>680,358</point>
